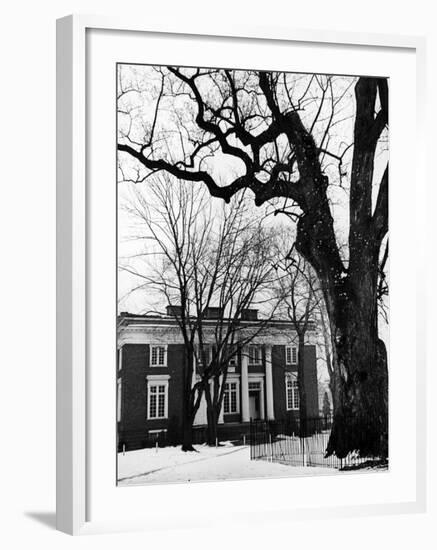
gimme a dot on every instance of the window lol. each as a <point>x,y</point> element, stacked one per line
<point>291,355</point>
<point>292,393</point>
<point>204,356</point>
<point>157,396</point>
<point>158,356</point>
<point>255,357</point>
<point>230,398</point>
<point>119,400</point>
<point>157,401</point>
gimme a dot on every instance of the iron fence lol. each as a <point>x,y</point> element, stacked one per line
<point>289,442</point>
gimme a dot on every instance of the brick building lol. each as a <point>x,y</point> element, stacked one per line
<point>261,381</point>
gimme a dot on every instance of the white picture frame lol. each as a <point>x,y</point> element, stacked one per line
<point>73,301</point>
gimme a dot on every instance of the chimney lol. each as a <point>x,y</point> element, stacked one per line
<point>174,311</point>
<point>249,314</point>
<point>213,312</point>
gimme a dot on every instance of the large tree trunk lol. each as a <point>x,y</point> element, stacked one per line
<point>360,386</point>
<point>360,366</point>
<point>350,288</point>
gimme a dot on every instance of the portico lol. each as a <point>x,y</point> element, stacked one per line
<point>257,389</point>
<point>254,391</point>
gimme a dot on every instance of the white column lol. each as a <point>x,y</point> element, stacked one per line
<point>194,374</point>
<point>245,415</point>
<point>262,399</point>
<point>200,414</point>
<point>201,417</point>
<point>269,384</point>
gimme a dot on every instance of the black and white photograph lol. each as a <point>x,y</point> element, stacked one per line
<point>253,274</point>
<point>218,275</point>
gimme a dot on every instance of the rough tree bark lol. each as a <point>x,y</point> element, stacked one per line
<point>360,359</point>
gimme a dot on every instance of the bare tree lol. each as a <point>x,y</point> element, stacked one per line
<point>304,144</point>
<point>326,409</point>
<point>199,256</point>
<point>300,297</point>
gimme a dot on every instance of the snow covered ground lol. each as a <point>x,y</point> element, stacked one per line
<point>226,462</point>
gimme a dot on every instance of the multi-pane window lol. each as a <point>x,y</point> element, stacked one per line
<point>158,356</point>
<point>230,398</point>
<point>291,355</point>
<point>292,393</point>
<point>157,401</point>
<point>255,356</point>
<point>204,355</point>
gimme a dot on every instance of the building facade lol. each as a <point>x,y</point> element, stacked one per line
<point>261,380</point>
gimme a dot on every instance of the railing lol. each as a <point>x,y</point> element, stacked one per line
<point>288,442</point>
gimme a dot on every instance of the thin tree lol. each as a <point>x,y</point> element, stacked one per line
<point>325,345</point>
<point>247,281</point>
<point>326,408</point>
<point>300,297</point>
